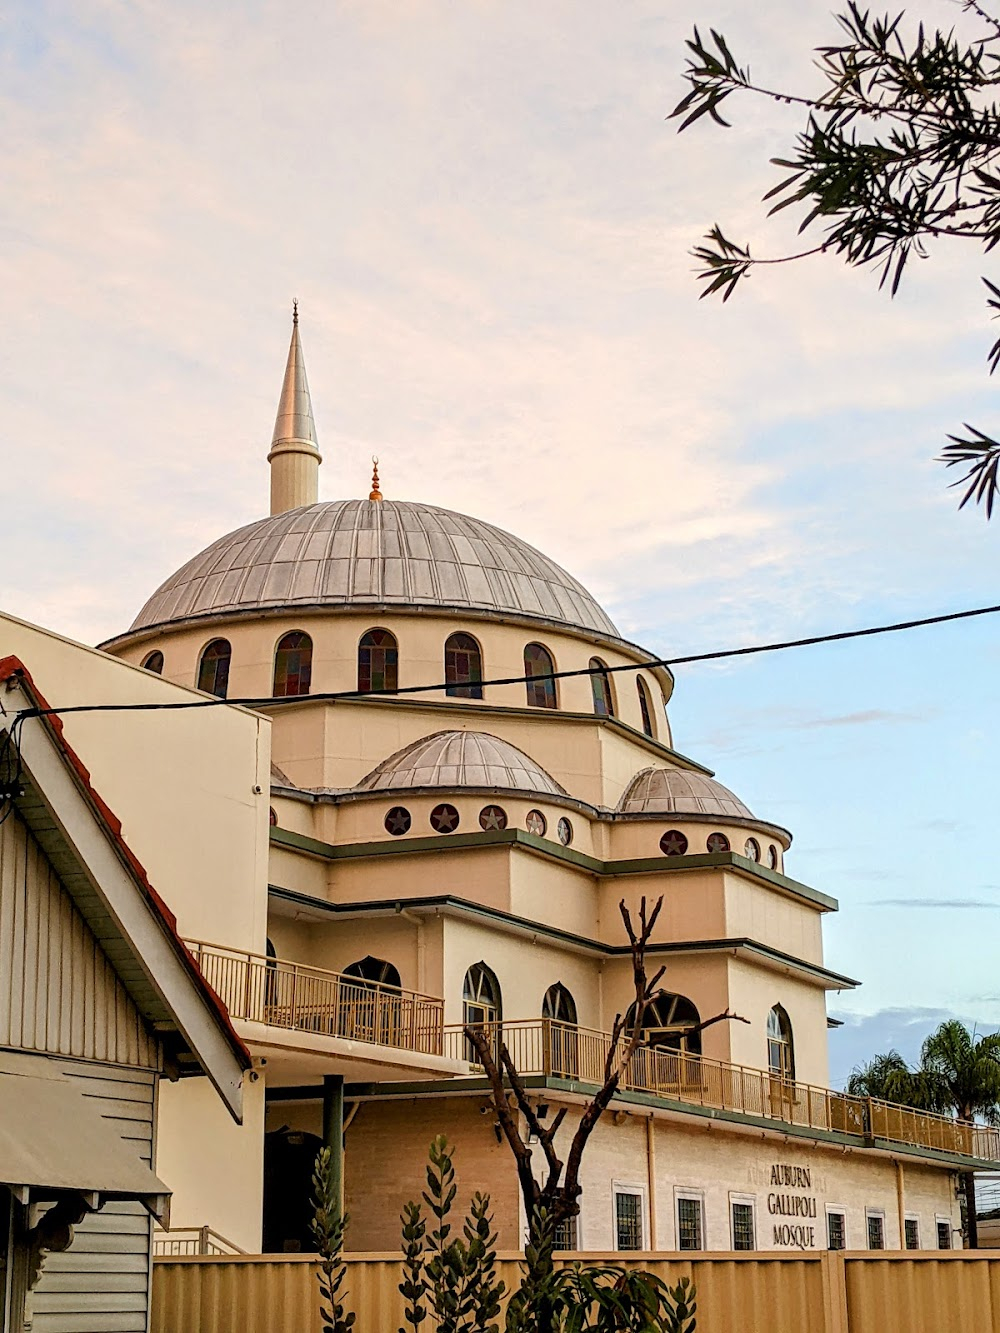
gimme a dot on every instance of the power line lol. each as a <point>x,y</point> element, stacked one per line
<point>331,696</point>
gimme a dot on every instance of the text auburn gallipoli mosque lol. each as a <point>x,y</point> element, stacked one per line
<point>458,855</point>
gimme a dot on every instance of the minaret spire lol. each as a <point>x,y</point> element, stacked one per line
<point>294,456</point>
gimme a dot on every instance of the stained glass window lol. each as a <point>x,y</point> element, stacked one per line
<point>772,856</point>
<point>293,665</point>
<point>717,842</point>
<point>780,1051</point>
<point>600,685</point>
<point>644,708</point>
<point>538,662</point>
<point>492,817</point>
<point>689,1229</point>
<point>564,831</point>
<point>213,670</point>
<point>154,663</point>
<point>378,661</point>
<point>743,1229</point>
<point>751,849</point>
<point>463,667</point>
<point>444,819</point>
<point>397,821</point>
<point>535,823</point>
<point>673,843</point>
<point>628,1220</point>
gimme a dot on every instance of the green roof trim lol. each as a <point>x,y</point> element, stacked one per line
<point>647,865</point>
<point>466,907</point>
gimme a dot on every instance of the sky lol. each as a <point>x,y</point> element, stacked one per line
<point>487,220</point>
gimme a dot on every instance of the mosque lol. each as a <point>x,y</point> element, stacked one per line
<point>449,840</point>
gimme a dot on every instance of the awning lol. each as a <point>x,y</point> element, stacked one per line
<point>52,1137</point>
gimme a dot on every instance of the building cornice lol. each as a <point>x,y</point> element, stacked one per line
<point>303,905</point>
<point>529,843</point>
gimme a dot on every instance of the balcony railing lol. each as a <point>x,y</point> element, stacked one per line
<point>174,1241</point>
<point>561,1050</point>
<point>310,999</point>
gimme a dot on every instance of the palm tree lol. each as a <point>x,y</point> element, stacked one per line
<point>958,1074</point>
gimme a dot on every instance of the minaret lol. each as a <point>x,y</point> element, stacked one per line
<point>294,456</point>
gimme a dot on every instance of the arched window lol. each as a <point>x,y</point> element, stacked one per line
<point>463,667</point>
<point>644,706</point>
<point>371,1006</point>
<point>374,970</point>
<point>564,1040</point>
<point>600,685</point>
<point>538,662</point>
<point>154,663</point>
<point>670,1024</point>
<point>292,665</point>
<point>480,1003</point>
<point>558,1004</point>
<point>378,661</point>
<point>780,1050</point>
<point>213,670</point>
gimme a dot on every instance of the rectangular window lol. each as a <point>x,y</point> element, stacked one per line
<point>943,1234</point>
<point>628,1220</point>
<point>743,1225</point>
<point>876,1231</point>
<point>836,1230</point>
<point>566,1233</point>
<point>689,1224</point>
<point>911,1228</point>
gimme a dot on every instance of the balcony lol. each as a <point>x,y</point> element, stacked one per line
<point>559,1050</point>
<point>299,998</point>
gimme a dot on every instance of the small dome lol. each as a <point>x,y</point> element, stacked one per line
<point>355,553</point>
<point>461,759</point>
<point>679,791</point>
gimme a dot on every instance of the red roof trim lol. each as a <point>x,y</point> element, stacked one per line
<point>11,667</point>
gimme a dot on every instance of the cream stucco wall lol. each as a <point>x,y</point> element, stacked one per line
<point>182,783</point>
<point>213,1166</point>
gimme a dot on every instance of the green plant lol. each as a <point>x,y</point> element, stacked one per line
<point>452,1278</point>
<point>593,1298</point>
<point>328,1226</point>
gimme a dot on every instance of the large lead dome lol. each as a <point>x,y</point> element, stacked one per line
<point>378,553</point>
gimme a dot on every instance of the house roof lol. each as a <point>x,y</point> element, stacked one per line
<point>137,929</point>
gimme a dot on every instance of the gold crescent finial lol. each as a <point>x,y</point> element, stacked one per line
<point>295,311</point>
<point>376,493</point>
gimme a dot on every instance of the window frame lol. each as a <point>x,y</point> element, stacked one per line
<point>145,663</point>
<point>784,1068</point>
<point>622,1187</point>
<point>645,708</point>
<point>737,1200</point>
<point>694,1196</point>
<point>874,1215</point>
<point>472,688</point>
<point>307,673</point>
<point>941,1221</point>
<point>369,668</point>
<point>548,688</point>
<point>908,1219</point>
<point>607,694</point>
<point>836,1210</point>
<point>203,657</point>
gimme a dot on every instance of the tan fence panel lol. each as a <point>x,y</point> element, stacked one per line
<point>237,1294</point>
<point>929,1293</point>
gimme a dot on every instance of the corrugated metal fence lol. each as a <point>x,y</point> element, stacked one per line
<point>826,1292</point>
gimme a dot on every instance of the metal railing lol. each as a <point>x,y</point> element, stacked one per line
<point>170,1242</point>
<point>562,1050</point>
<point>309,999</point>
